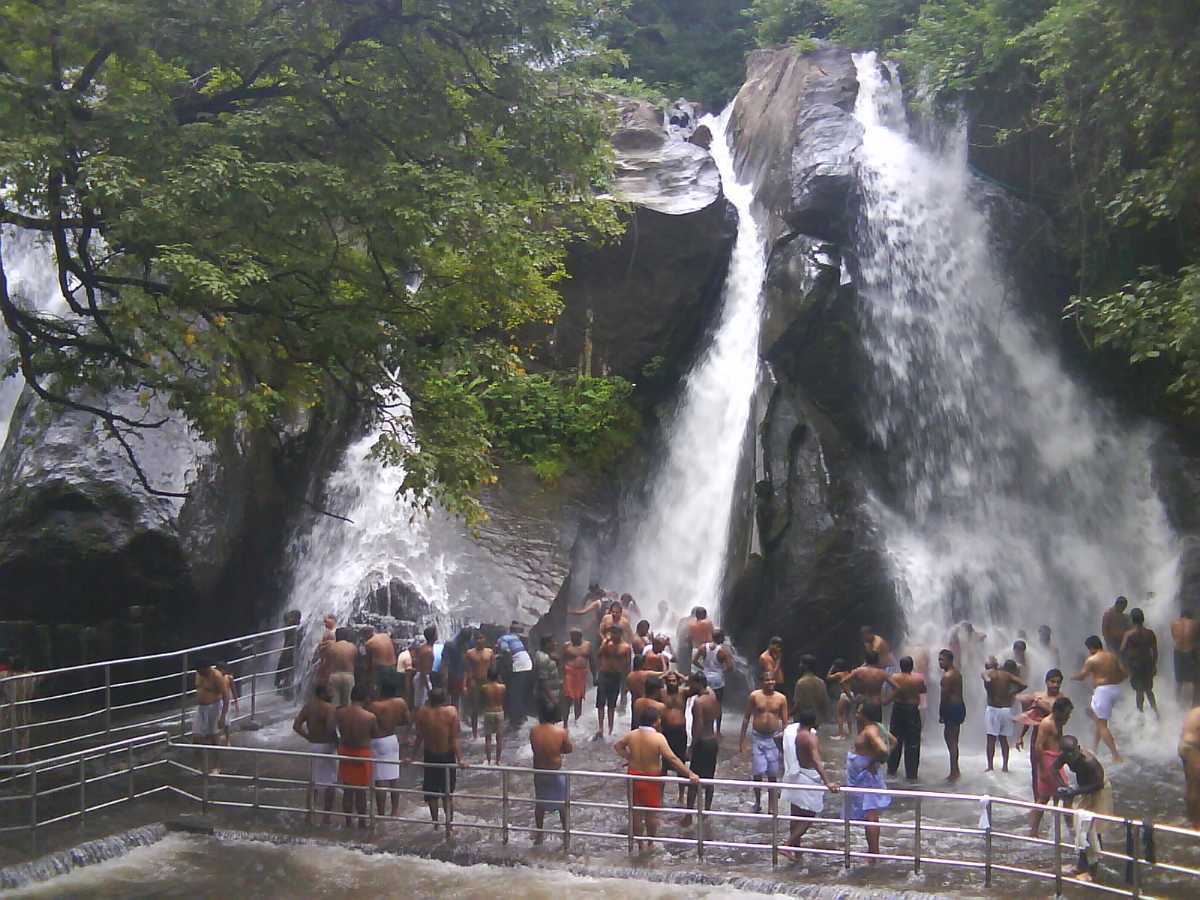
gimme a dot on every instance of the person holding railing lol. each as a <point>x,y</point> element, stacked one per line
<point>862,771</point>
<point>768,710</point>
<point>1092,793</point>
<point>357,727</point>
<point>212,706</point>
<point>802,768</point>
<point>645,751</point>
<point>437,733</point>
<point>1047,745</point>
<point>317,723</point>
<point>392,712</point>
<point>549,741</point>
<point>706,742</point>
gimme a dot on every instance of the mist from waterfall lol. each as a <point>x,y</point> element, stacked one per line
<point>1016,497</point>
<point>677,550</point>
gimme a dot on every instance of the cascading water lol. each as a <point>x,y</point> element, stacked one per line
<point>1016,498</point>
<point>32,284</point>
<point>678,547</point>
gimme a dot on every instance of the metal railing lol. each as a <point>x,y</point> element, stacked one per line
<point>1135,863</point>
<point>133,681</point>
<point>38,791</point>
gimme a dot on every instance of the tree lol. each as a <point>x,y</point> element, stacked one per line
<point>255,202</point>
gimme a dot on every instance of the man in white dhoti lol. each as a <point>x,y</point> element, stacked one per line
<point>802,766</point>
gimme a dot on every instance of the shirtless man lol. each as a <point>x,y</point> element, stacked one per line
<point>768,710</point>
<point>1002,686</point>
<point>673,719</point>
<point>1046,645</point>
<point>423,658</point>
<point>577,662</point>
<point>594,602</point>
<point>212,705</point>
<point>906,719</point>
<point>478,660</point>
<point>341,655</point>
<point>1185,635</point>
<point>653,659</point>
<point>317,723</point>
<point>549,741</point>
<point>810,690</point>
<point>613,667</point>
<point>651,698</point>
<point>1114,624</point>
<point>841,696</point>
<point>381,657</point>
<point>1107,672</point>
<point>645,751</point>
<point>1092,792</point>
<point>391,712</point>
<point>437,729</point>
<point>802,766</point>
<point>876,644</point>
<point>770,661</point>
<point>491,696</point>
<point>952,712</point>
<point>862,771</point>
<point>1189,755</point>
<point>715,660</point>
<point>356,729</point>
<point>700,630</point>
<point>1047,778</point>
<point>330,632</point>
<point>1139,651</point>
<point>640,642</point>
<point>867,680</point>
<point>706,712</point>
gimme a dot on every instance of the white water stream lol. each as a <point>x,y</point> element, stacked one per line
<point>679,544</point>
<point>1018,498</point>
<point>32,284</point>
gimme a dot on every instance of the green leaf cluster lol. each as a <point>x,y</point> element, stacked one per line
<point>253,203</point>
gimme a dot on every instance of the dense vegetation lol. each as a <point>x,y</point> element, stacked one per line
<point>255,203</point>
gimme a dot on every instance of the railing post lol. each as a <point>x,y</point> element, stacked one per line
<point>312,790</point>
<point>254,680</point>
<point>917,838</point>
<point>987,847</point>
<point>107,700</point>
<point>255,797</point>
<point>33,795</point>
<point>1135,873</point>
<point>371,799</point>
<point>132,793</point>
<point>700,821</point>
<point>567,816</point>
<point>183,674</point>
<point>504,806</point>
<point>82,790</point>
<point>449,802</point>
<point>773,804</point>
<point>846,829</point>
<point>629,809</point>
<point>12,726</point>
<point>204,779</point>
<point>1058,879</point>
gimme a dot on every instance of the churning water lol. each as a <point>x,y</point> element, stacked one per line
<point>679,545</point>
<point>33,285</point>
<point>1017,498</point>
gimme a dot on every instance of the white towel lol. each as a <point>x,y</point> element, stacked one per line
<point>985,820</point>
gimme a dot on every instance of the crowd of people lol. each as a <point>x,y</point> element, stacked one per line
<point>368,686</point>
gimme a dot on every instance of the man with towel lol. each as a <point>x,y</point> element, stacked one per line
<point>645,751</point>
<point>862,771</point>
<point>802,766</point>
<point>577,662</point>
<point>1107,672</point>
<point>356,728</point>
<point>392,712</point>
<point>1047,776</point>
<point>317,723</point>
<point>1093,795</point>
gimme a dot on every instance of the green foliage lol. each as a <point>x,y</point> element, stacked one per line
<point>785,21</point>
<point>256,203</point>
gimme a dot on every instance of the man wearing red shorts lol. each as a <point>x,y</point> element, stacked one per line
<point>356,727</point>
<point>646,751</point>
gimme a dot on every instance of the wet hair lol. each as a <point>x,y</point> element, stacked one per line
<point>478,636</point>
<point>1068,745</point>
<point>1121,601</point>
<point>1054,673</point>
<point>1137,617</point>
<point>430,633</point>
<point>840,665</point>
<point>649,716</point>
<point>718,635</point>
<point>626,599</point>
<point>643,627</point>
<point>1092,642</point>
<point>698,678</point>
<point>906,664</point>
<point>776,640</point>
<point>437,697</point>
<point>344,633</point>
<point>873,712</point>
<point>358,693</point>
<point>946,653</point>
<point>548,714</point>
<point>594,588</point>
<point>387,685</point>
<point>871,658</point>
<point>1062,705</point>
<point>1019,646</point>
<point>493,673</point>
<point>653,684</point>
<point>807,718</point>
<point>701,612</point>
<point>1043,630</point>
<point>1010,666</point>
<point>547,641</point>
<point>574,631</point>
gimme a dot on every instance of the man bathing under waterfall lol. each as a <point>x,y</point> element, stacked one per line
<point>1106,672</point>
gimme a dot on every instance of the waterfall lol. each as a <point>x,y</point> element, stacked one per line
<point>1016,498</point>
<point>32,284</point>
<point>680,540</point>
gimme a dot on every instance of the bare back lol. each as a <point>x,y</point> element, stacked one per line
<point>868,681</point>
<point>952,686</point>
<point>391,713</point>
<point>342,656</point>
<point>549,742</point>
<point>317,722</point>
<point>381,650</point>
<point>356,726</point>
<point>1104,667</point>
<point>438,728</point>
<point>705,710</point>
<point>1184,632</point>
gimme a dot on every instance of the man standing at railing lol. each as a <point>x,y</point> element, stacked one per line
<point>1047,777</point>
<point>356,729</point>
<point>392,712</point>
<point>1093,794</point>
<point>646,751</point>
<point>803,768</point>
<point>437,733</point>
<point>212,705</point>
<point>862,771</point>
<point>549,741</point>
<point>317,723</point>
<point>768,709</point>
<point>1189,755</point>
<point>706,714</point>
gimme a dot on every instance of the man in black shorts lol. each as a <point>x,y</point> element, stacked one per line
<point>952,711</point>
<point>613,658</point>
<point>437,730</point>
<point>706,709</point>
